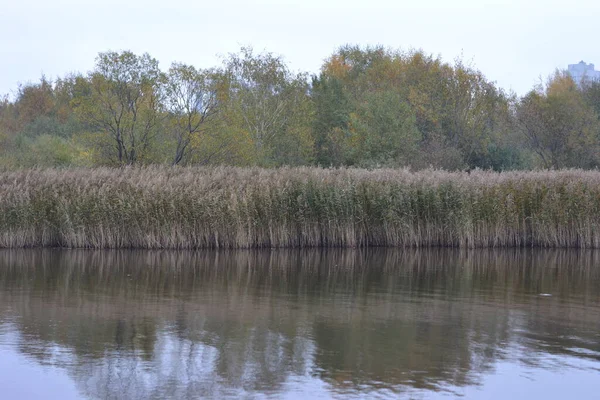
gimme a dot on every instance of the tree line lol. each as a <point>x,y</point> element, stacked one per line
<point>367,107</point>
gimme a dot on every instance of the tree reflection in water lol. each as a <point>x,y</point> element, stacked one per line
<point>147,324</point>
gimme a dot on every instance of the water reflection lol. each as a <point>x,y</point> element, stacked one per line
<point>129,324</point>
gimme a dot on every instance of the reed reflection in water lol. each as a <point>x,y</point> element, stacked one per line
<point>289,323</point>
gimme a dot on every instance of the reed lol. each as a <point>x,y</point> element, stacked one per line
<point>225,207</point>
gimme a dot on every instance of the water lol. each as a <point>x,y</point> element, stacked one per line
<point>300,324</point>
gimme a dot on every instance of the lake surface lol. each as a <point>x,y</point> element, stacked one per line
<point>300,324</point>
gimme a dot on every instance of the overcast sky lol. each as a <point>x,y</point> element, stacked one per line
<point>512,42</point>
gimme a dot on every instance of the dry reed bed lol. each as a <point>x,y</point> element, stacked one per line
<point>159,207</point>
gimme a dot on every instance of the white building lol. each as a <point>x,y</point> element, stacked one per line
<point>583,72</point>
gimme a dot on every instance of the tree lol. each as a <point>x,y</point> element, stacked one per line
<point>560,127</point>
<point>273,104</point>
<point>475,113</point>
<point>330,124</point>
<point>123,101</point>
<point>34,100</point>
<point>456,110</point>
<point>591,94</point>
<point>386,132</point>
<point>191,98</point>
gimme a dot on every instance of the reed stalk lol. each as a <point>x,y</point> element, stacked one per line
<point>226,207</point>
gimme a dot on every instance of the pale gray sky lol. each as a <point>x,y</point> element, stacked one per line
<point>513,42</point>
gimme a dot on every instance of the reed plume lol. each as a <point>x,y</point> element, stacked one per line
<point>226,207</point>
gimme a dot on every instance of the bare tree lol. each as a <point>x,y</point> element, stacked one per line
<point>191,98</point>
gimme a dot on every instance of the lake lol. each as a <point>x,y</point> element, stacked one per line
<point>297,324</point>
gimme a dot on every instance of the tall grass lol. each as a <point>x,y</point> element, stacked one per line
<point>191,208</point>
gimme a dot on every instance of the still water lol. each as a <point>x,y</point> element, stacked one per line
<point>299,324</point>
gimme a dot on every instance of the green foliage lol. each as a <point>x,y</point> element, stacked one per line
<point>49,151</point>
<point>456,111</point>
<point>224,143</point>
<point>271,104</point>
<point>591,95</point>
<point>332,115</point>
<point>123,101</point>
<point>560,127</point>
<point>43,151</point>
<point>502,158</point>
<point>385,131</point>
<point>51,125</point>
<point>371,107</point>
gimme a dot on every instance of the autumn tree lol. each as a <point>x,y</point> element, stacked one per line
<point>475,113</point>
<point>273,106</point>
<point>559,126</point>
<point>456,111</point>
<point>123,102</point>
<point>368,106</point>
<point>34,100</point>
<point>362,115</point>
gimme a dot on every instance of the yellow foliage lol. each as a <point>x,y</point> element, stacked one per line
<point>336,66</point>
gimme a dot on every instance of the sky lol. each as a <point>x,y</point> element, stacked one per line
<point>514,42</point>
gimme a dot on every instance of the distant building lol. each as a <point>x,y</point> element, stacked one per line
<point>581,72</point>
